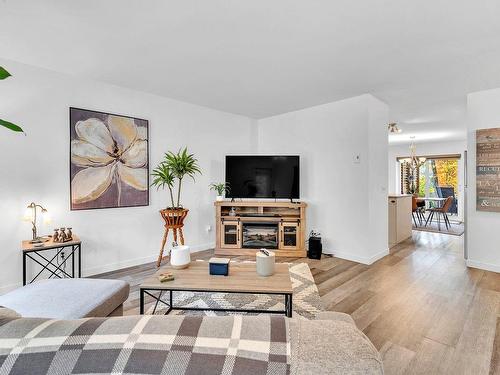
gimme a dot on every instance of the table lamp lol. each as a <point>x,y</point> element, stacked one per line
<point>30,216</point>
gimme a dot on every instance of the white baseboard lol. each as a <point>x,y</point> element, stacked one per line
<point>483,266</point>
<point>198,248</point>
<point>136,261</point>
<point>358,259</point>
<point>118,265</point>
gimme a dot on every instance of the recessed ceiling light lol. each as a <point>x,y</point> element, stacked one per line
<point>393,128</point>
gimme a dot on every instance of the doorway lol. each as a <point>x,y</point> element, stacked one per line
<point>437,182</point>
<point>439,179</point>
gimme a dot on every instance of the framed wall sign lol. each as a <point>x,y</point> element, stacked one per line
<point>109,160</point>
<point>488,169</point>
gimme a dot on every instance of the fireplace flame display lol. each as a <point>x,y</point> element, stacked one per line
<point>257,235</point>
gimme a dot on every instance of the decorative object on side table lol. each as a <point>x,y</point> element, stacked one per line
<point>174,167</point>
<point>219,266</point>
<point>60,235</point>
<point>55,236</point>
<point>221,188</point>
<point>265,261</point>
<point>109,160</point>
<point>31,216</point>
<point>180,256</point>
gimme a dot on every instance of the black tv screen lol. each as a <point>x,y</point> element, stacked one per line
<point>263,176</point>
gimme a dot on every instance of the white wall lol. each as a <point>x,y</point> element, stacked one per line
<point>378,220</point>
<point>36,167</point>
<point>347,201</point>
<point>430,148</point>
<point>483,236</point>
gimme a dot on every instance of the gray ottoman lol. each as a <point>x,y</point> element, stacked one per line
<point>68,298</point>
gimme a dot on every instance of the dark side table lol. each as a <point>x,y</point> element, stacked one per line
<point>50,263</point>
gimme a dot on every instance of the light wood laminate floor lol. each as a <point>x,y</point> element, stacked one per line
<point>421,306</point>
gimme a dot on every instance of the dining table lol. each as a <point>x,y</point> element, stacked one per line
<point>432,202</point>
<point>435,202</point>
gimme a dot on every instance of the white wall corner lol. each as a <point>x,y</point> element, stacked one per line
<point>378,148</point>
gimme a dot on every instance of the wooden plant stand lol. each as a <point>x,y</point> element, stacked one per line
<point>174,220</point>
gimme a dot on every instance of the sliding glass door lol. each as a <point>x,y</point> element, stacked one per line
<point>438,177</point>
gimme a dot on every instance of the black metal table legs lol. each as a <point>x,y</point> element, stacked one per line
<point>158,298</point>
<point>51,265</point>
<point>288,305</point>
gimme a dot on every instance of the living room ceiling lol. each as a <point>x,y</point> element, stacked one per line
<point>261,58</point>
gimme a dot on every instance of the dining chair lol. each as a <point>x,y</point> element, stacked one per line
<point>440,211</point>
<point>416,211</point>
<point>448,191</point>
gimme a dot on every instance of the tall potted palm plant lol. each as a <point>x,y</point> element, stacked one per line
<point>174,168</point>
<point>6,124</point>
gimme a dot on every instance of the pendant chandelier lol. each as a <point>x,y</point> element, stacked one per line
<point>410,170</point>
<point>415,160</point>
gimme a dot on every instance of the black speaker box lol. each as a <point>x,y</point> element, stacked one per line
<point>315,248</point>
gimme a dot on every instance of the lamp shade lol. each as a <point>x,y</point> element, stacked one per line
<point>47,219</point>
<point>28,214</point>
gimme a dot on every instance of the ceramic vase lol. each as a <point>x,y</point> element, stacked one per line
<point>180,257</point>
<point>265,263</point>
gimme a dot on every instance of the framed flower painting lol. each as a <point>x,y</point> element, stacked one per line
<point>109,160</point>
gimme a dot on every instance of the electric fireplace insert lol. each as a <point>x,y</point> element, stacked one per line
<point>257,235</point>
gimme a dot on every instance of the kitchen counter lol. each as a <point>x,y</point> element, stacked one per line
<point>400,210</point>
<point>399,195</point>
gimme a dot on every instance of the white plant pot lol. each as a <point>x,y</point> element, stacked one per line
<point>180,257</point>
<point>219,198</point>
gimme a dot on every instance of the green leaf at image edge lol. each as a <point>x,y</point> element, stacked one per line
<point>11,126</point>
<point>3,73</point>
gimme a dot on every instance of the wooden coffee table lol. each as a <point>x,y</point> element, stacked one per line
<point>243,278</point>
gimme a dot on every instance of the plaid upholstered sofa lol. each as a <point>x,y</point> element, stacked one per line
<point>196,345</point>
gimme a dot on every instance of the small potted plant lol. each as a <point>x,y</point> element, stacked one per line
<point>220,188</point>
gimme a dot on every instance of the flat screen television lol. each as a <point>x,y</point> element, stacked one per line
<point>261,176</point>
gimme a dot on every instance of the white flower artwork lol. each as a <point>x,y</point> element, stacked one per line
<point>109,160</point>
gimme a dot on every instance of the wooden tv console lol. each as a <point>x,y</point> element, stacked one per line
<point>284,223</point>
